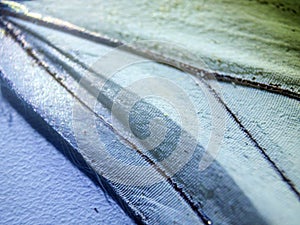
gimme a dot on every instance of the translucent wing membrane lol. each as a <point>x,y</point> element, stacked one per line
<point>253,178</point>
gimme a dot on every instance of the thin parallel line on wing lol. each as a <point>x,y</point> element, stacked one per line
<point>65,54</point>
<point>26,46</point>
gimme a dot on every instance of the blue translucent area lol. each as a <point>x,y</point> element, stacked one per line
<point>40,186</point>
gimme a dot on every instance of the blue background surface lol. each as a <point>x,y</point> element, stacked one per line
<point>40,186</point>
